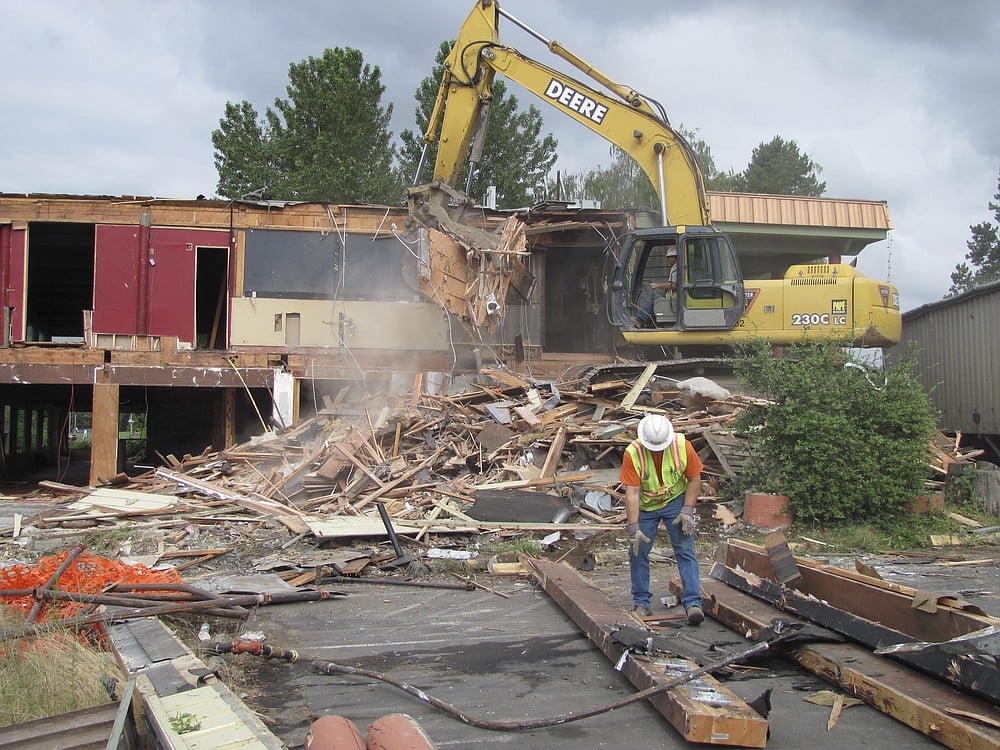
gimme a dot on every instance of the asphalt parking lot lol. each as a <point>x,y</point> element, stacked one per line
<point>522,658</point>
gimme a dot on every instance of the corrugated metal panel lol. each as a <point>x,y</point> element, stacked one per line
<point>748,208</point>
<point>86,729</point>
<point>959,358</point>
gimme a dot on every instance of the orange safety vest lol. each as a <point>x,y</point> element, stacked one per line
<point>655,491</point>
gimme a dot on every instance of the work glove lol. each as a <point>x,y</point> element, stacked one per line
<point>687,520</point>
<point>636,538</point>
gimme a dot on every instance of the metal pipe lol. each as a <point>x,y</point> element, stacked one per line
<point>134,604</point>
<point>420,164</point>
<point>247,600</point>
<point>39,602</point>
<point>387,522</point>
<point>658,149</point>
<point>184,587</point>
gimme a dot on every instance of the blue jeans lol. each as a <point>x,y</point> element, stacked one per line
<point>687,560</point>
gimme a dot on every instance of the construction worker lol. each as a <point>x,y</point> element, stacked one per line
<point>662,477</point>
<point>662,290</point>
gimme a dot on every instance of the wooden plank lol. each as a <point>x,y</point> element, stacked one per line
<point>509,380</point>
<point>633,395</point>
<point>104,433</point>
<point>555,452</point>
<point>558,413</point>
<point>968,674</point>
<point>895,690</point>
<point>707,713</point>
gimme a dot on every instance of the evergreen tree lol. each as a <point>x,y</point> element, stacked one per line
<point>983,255</point>
<point>242,153</point>
<point>515,157</point>
<point>328,141</point>
<point>779,168</point>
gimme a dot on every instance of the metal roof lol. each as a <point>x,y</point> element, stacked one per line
<point>789,210</point>
<point>950,301</point>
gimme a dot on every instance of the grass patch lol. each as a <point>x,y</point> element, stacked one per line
<point>107,542</point>
<point>524,546</point>
<point>911,531</point>
<point>49,675</point>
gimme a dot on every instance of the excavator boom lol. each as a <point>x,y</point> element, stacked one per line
<point>620,115</point>
<point>707,300</point>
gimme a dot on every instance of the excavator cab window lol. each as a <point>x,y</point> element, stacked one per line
<point>648,269</point>
<point>708,268</point>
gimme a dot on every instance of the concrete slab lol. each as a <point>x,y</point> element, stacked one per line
<point>513,658</point>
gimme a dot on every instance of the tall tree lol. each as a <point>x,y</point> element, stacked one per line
<point>779,168</point>
<point>622,184</point>
<point>714,179</point>
<point>329,140</point>
<point>515,158</point>
<point>983,255</point>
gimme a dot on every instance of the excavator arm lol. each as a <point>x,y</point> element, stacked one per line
<point>710,303</point>
<point>620,115</point>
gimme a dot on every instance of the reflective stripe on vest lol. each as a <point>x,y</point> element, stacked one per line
<point>655,491</point>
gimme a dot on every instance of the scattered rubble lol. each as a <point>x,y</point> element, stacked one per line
<point>501,457</point>
<point>506,455</point>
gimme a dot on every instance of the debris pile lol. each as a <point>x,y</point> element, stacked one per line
<point>503,453</point>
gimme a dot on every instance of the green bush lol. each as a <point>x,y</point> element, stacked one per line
<point>844,441</point>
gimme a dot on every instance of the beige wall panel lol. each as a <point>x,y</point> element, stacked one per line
<point>368,325</point>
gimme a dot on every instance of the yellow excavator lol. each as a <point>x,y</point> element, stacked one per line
<point>675,285</point>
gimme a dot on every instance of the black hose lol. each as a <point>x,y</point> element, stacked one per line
<point>328,667</point>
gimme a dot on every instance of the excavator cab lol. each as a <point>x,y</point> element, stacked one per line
<point>707,289</point>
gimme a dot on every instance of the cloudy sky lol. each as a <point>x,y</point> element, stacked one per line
<point>895,99</point>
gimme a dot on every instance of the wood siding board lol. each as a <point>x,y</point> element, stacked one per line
<point>799,210</point>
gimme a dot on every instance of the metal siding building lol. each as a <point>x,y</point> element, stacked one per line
<point>959,358</point>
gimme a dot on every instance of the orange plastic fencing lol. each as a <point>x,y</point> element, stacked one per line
<point>87,574</point>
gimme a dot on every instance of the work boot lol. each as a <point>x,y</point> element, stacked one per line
<point>642,610</point>
<point>695,615</point>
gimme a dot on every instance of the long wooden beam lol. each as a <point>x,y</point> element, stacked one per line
<point>702,711</point>
<point>959,670</point>
<point>890,604</point>
<point>924,704</point>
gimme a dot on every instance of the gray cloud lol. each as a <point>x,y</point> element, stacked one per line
<point>895,100</point>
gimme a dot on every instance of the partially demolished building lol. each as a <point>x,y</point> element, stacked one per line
<point>215,319</point>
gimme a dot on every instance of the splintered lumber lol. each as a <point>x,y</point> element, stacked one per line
<point>891,604</point>
<point>721,719</point>
<point>961,671</point>
<point>782,561</point>
<point>632,396</point>
<point>926,705</point>
<point>555,451</point>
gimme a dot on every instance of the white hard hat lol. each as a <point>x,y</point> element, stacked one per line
<point>655,432</point>
<point>672,251</point>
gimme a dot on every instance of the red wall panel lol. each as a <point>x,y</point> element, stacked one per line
<point>116,286</point>
<point>15,282</point>
<point>170,292</point>
<point>172,278</point>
